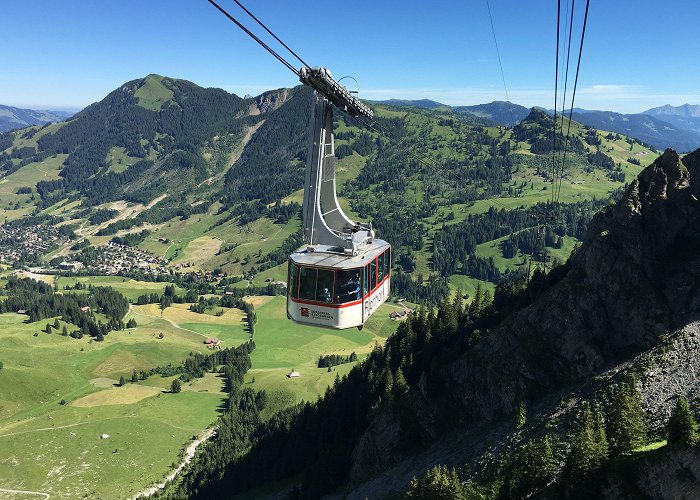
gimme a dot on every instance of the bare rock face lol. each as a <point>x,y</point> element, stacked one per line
<point>270,101</point>
<point>635,277</point>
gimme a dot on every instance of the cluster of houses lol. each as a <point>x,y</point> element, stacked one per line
<point>18,242</point>
<point>111,258</point>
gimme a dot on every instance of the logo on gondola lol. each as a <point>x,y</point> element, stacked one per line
<point>304,312</point>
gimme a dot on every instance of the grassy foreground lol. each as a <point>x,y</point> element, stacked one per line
<point>58,395</point>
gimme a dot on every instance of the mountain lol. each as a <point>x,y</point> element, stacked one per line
<point>656,131</point>
<point>501,112</point>
<point>496,112</point>
<point>199,179</point>
<point>173,165</point>
<point>419,103</point>
<point>446,388</point>
<point>685,117</point>
<point>15,118</point>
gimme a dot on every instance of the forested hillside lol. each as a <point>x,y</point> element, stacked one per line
<point>204,179</point>
<point>536,392</point>
<point>165,181</point>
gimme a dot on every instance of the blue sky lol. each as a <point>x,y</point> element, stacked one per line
<point>637,54</point>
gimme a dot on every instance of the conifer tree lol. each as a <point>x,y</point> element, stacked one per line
<point>521,416</point>
<point>134,376</point>
<point>440,483</point>
<point>400,385</point>
<point>584,455</point>
<point>600,439</point>
<point>682,426</point>
<point>458,304</point>
<point>475,305</point>
<point>626,424</point>
<point>122,381</point>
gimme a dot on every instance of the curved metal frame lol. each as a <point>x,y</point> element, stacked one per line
<point>325,223</point>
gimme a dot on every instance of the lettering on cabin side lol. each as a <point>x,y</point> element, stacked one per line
<point>374,301</point>
<point>306,312</point>
<point>324,315</point>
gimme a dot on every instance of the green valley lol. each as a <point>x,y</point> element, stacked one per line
<point>187,205</point>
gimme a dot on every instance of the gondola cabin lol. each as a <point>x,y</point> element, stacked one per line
<point>341,274</point>
<point>336,290</point>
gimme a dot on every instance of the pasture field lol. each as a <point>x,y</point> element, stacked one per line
<point>130,288</point>
<point>118,159</point>
<point>58,395</point>
<point>56,448</point>
<point>229,327</point>
<point>282,345</point>
<point>153,94</point>
<point>13,205</point>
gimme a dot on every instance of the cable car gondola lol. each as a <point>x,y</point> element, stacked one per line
<point>341,275</point>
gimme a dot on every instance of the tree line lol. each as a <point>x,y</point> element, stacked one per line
<point>40,301</point>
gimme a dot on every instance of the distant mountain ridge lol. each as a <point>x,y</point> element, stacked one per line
<point>501,112</point>
<point>657,132</point>
<point>662,127</point>
<point>15,118</point>
<point>685,117</point>
<point>419,103</point>
<point>687,110</point>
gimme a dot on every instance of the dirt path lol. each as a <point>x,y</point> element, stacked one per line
<point>25,492</point>
<point>131,309</point>
<point>53,428</point>
<point>189,454</point>
<point>171,322</point>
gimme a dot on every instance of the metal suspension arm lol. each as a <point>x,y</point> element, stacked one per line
<point>321,81</point>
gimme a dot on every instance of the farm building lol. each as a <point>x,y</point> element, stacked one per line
<point>400,314</point>
<point>212,343</point>
<point>294,374</point>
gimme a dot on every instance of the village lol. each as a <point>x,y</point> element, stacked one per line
<point>27,242</point>
<point>113,258</point>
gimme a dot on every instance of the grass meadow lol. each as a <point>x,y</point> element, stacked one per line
<point>59,395</point>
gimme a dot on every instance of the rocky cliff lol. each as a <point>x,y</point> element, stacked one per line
<point>635,278</point>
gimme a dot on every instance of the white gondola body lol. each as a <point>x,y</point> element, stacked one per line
<point>335,299</point>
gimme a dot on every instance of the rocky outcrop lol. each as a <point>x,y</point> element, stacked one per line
<point>635,278</point>
<point>670,473</point>
<point>270,101</point>
<point>670,369</point>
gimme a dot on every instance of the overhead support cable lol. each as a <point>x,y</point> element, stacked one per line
<point>399,141</point>
<point>498,52</point>
<point>573,97</point>
<point>252,35</point>
<point>271,33</point>
<point>556,101</point>
<point>563,101</point>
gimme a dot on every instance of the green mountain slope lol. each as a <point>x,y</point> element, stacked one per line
<point>205,179</point>
<point>577,357</point>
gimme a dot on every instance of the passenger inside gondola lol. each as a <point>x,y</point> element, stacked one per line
<point>348,288</point>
